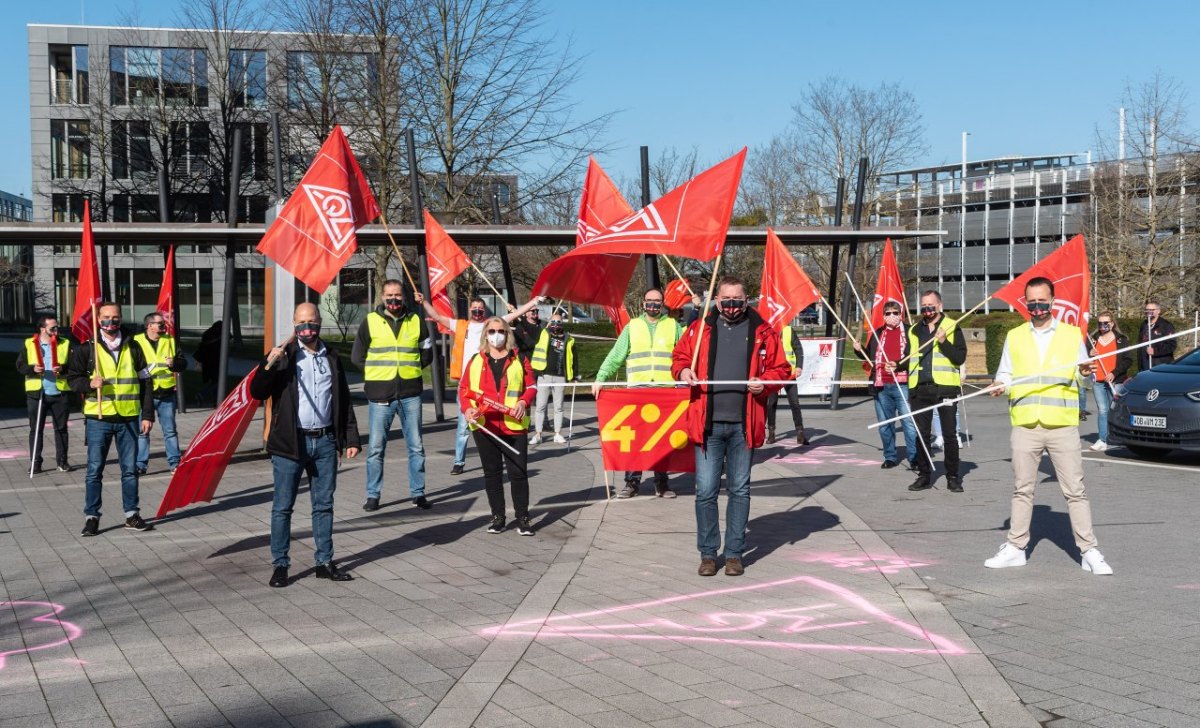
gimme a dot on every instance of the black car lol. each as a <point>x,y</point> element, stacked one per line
<point>1159,409</point>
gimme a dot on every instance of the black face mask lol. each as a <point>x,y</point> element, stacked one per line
<point>307,332</point>
<point>477,315</point>
<point>1039,310</point>
<point>393,305</point>
<point>929,313</point>
<point>653,308</point>
<point>554,328</point>
<point>733,308</point>
<point>110,326</point>
<point>1105,327</point>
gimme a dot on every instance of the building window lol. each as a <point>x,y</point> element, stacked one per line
<point>253,208</point>
<point>189,149</point>
<point>136,289</point>
<point>248,78</point>
<point>70,149</point>
<point>134,208</point>
<point>195,296</point>
<point>144,76</point>
<point>66,208</point>
<point>254,150</point>
<point>65,280</point>
<point>251,295</point>
<point>68,74</point>
<point>192,207</point>
<point>131,149</point>
<point>329,80</point>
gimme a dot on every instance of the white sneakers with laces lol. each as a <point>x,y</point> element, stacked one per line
<point>536,439</point>
<point>1094,562</point>
<point>560,439</point>
<point>1007,556</point>
<point>1099,446</point>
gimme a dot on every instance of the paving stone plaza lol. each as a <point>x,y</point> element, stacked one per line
<point>862,604</point>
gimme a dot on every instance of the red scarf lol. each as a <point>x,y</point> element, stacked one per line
<point>37,348</point>
<point>882,377</point>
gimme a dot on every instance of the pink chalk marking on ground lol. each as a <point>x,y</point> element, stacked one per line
<point>824,455</point>
<point>783,622</point>
<point>882,564</point>
<point>72,631</point>
<point>13,455</point>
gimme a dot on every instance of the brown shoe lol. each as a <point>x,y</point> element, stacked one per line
<point>708,567</point>
<point>733,566</point>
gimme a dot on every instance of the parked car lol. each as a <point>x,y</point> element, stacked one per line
<point>1159,409</point>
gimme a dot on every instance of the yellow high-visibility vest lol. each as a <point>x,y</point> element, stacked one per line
<point>541,353</point>
<point>120,389</point>
<point>1051,400</point>
<point>514,378</point>
<point>944,372</point>
<point>156,360</point>
<point>33,383</point>
<point>788,351</point>
<point>649,358</point>
<point>390,356</point>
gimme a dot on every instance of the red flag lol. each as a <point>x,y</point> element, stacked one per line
<point>87,291</point>
<point>1068,268</point>
<point>645,429</point>
<point>689,221</point>
<point>316,233</point>
<point>599,279</point>
<point>441,302</point>
<point>786,289</point>
<point>619,315</point>
<point>676,295</point>
<point>446,259</point>
<point>204,463</point>
<point>889,288</point>
<point>166,293</point>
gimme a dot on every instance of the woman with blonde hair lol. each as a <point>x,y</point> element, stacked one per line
<point>1110,370</point>
<point>495,395</point>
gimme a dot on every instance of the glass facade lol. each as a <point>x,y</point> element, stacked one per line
<point>70,149</point>
<point>248,78</point>
<point>145,76</point>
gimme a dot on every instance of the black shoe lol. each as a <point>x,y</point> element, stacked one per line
<point>1083,416</point>
<point>135,523</point>
<point>65,468</point>
<point>954,484</point>
<point>456,470</point>
<point>372,504</point>
<point>524,527</point>
<point>279,577</point>
<point>141,471</point>
<point>330,571</point>
<point>421,503</point>
<point>497,525</point>
<point>889,464</point>
<point>921,483</point>
<point>91,526</point>
<point>36,469</point>
<point>770,435</point>
<point>912,467</point>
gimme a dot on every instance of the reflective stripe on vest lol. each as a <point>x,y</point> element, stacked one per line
<point>1052,398</point>
<point>390,356</point>
<point>649,358</point>
<point>944,372</point>
<point>541,353</point>
<point>160,373</point>
<point>514,381</point>
<point>788,351</point>
<point>120,388</point>
<point>34,383</point>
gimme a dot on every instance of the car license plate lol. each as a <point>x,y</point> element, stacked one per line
<point>1158,423</point>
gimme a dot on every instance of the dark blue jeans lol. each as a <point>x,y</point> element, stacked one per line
<point>724,450</point>
<point>164,408</point>
<point>322,453</point>
<point>891,400</point>
<point>98,435</point>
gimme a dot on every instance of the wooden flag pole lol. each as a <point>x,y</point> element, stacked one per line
<point>704,313</point>
<point>388,230</point>
<point>678,275</point>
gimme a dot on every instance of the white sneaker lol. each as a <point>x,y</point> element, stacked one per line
<point>959,440</point>
<point>536,439</point>
<point>1094,562</point>
<point>560,439</point>
<point>1007,556</point>
<point>1099,446</point>
<point>939,443</point>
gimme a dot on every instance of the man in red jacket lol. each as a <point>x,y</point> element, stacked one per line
<point>727,421</point>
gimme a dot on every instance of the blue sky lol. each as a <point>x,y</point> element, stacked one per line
<point>1023,77</point>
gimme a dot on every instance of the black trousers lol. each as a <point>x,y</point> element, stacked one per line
<point>927,395</point>
<point>793,402</point>
<point>494,459</point>
<point>57,407</point>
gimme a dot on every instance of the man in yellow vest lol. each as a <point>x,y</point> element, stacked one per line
<point>553,362</point>
<point>42,365</point>
<point>163,363</point>
<point>937,349</point>
<point>644,347</point>
<point>111,375</point>
<point>1038,370</point>
<point>392,347</point>
<point>468,336</point>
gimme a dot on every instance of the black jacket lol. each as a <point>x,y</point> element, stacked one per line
<point>79,375</point>
<point>397,388</point>
<point>279,384</point>
<point>1164,351</point>
<point>953,348</point>
<point>526,335</point>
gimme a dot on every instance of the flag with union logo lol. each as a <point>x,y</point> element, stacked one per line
<point>645,428</point>
<point>786,289</point>
<point>1068,268</point>
<point>317,230</point>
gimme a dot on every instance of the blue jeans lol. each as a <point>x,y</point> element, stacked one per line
<point>379,419</point>
<point>1104,400</point>
<point>322,453</point>
<point>98,436</point>
<point>892,401</point>
<point>164,408</point>
<point>725,449</point>
<point>460,440</point>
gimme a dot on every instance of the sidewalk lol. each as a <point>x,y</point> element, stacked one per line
<point>862,604</point>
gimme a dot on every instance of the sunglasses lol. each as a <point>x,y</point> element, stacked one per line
<point>928,309</point>
<point>1105,323</point>
<point>891,313</point>
<point>497,331</point>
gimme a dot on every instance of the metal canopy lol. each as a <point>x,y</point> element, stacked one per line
<point>371,235</point>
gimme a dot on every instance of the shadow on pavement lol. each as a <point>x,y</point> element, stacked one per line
<point>770,531</point>
<point>437,534</point>
<point>249,497</point>
<point>1053,526</point>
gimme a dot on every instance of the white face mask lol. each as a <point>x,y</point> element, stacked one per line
<point>497,340</point>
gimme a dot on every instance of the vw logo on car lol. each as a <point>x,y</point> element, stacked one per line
<point>1152,395</point>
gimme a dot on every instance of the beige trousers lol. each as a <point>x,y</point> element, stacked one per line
<point>1062,443</point>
